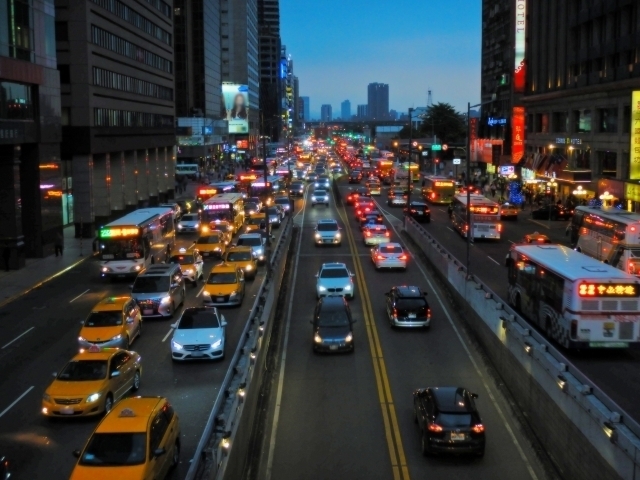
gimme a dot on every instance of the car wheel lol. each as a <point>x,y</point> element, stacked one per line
<point>424,445</point>
<point>352,296</point>
<point>136,381</point>
<point>175,458</point>
<point>108,403</point>
<point>127,342</point>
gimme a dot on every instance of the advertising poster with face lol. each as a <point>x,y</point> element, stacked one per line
<point>236,102</point>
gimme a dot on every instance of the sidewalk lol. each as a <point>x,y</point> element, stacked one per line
<point>37,271</point>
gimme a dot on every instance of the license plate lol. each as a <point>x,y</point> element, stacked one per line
<point>419,213</point>
<point>196,354</point>
<point>147,312</point>
<point>457,437</point>
<point>333,347</point>
<point>205,254</point>
<point>483,228</point>
<point>66,411</point>
<point>411,315</point>
<point>219,299</point>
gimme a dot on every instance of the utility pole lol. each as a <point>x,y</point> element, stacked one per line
<point>409,179</point>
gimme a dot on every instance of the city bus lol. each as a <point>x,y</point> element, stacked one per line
<point>127,246</point>
<point>267,191</point>
<point>609,235</point>
<point>485,217</point>
<point>401,172</point>
<point>438,189</point>
<point>189,170</point>
<point>230,186</point>
<point>205,193</point>
<point>575,300</point>
<point>225,206</point>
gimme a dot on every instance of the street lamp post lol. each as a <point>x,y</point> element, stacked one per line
<point>409,171</point>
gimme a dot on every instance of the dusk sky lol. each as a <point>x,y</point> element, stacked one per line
<point>340,46</point>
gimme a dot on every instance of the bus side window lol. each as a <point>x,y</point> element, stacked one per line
<point>147,246</point>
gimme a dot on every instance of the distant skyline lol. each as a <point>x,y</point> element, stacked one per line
<point>340,47</point>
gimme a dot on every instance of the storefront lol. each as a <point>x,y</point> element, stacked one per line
<point>611,192</point>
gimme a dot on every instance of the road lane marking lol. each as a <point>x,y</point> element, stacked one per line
<point>492,260</point>
<point>167,335</point>
<point>390,420</point>
<point>200,292</point>
<point>449,228</point>
<point>18,337</point>
<point>333,255</point>
<point>523,456</point>
<point>540,223</point>
<point>75,298</point>
<point>16,401</point>
<point>283,357</point>
<point>511,241</point>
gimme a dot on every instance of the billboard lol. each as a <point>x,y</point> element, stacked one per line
<point>517,134</point>
<point>634,168</point>
<point>236,104</point>
<point>520,69</point>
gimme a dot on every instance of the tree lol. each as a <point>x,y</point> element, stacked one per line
<point>443,120</point>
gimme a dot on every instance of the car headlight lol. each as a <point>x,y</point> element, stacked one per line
<point>217,249</point>
<point>176,345</point>
<point>82,339</point>
<point>217,343</point>
<point>248,268</point>
<point>188,271</point>
<point>322,289</point>
<point>46,397</point>
<point>105,269</point>
<point>206,294</point>
<point>234,293</point>
<point>348,338</point>
<point>317,338</point>
<point>338,235</point>
<point>347,288</point>
<point>165,300</point>
<point>179,225</point>
<point>117,337</point>
<point>318,235</point>
<point>197,225</point>
<point>136,268</point>
<point>93,397</point>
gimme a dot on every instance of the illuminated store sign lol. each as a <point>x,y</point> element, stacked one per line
<point>634,168</point>
<point>520,69</point>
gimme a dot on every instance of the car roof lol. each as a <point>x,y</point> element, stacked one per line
<point>95,353</point>
<point>223,268</point>
<point>327,220</point>
<point>239,248</point>
<point>333,265</point>
<point>332,303</point>
<point>111,303</point>
<point>130,415</point>
<point>452,399</point>
<point>408,291</point>
<point>251,235</point>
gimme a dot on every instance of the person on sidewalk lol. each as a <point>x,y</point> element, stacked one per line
<point>58,243</point>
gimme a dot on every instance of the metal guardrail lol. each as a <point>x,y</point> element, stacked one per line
<point>239,354</point>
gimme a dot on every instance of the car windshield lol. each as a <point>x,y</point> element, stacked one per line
<point>198,320</point>
<point>189,218</point>
<point>250,206</point>
<point>327,227</point>
<point>222,278</point>
<point>182,259</point>
<point>115,449</point>
<point>238,256</point>
<point>453,420</point>
<point>319,193</point>
<point>255,221</point>
<point>151,284</point>
<point>390,249</point>
<point>333,318</point>
<point>334,273</point>
<point>323,178</point>
<point>104,319</point>
<point>411,303</point>
<point>273,210</point>
<point>84,371</point>
<point>209,239</point>
<point>249,242</point>
<point>282,201</point>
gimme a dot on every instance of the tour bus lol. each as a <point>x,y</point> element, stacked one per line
<point>438,189</point>
<point>576,300</point>
<point>269,190</point>
<point>189,170</point>
<point>485,217</point>
<point>127,246</point>
<point>225,206</point>
<point>609,235</point>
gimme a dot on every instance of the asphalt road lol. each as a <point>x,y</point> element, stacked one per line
<point>48,319</point>
<point>350,415</point>
<point>616,372</point>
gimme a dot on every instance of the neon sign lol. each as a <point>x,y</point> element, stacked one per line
<point>484,209</point>
<point>608,290</point>
<point>207,191</point>
<point>217,206</point>
<point>119,232</point>
<point>520,68</point>
<point>443,184</point>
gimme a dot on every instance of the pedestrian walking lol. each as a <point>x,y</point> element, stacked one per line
<point>58,243</point>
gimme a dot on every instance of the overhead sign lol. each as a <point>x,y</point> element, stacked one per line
<point>445,147</point>
<point>119,232</point>
<point>236,103</point>
<point>634,168</point>
<point>456,161</point>
<point>436,147</point>
<point>520,69</point>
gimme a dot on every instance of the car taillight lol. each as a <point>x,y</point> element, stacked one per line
<point>433,195</point>
<point>499,227</point>
<point>428,312</point>
<point>434,427</point>
<point>403,257</point>
<point>380,257</point>
<point>368,234</point>
<point>413,210</point>
<point>479,428</point>
<point>386,234</point>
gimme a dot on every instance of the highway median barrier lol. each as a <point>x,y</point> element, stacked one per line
<point>586,435</point>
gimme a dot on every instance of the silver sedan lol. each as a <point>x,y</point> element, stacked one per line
<point>389,255</point>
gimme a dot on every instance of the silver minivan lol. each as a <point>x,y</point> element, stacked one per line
<point>159,290</point>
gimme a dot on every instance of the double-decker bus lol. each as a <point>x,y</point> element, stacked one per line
<point>127,246</point>
<point>576,300</point>
<point>225,206</point>
<point>609,235</point>
<point>485,217</point>
<point>438,189</point>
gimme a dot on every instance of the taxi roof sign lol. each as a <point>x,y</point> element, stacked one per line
<point>94,349</point>
<point>127,412</point>
<point>183,250</point>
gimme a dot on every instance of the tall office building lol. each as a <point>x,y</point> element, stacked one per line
<point>239,33</point>
<point>325,113</point>
<point>118,116</point>
<point>296,103</point>
<point>272,74</point>
<point>32,188</point>
<point>306,112</point>
<point>378,101</point>
<point>345,110</point>
<point>363,112</point>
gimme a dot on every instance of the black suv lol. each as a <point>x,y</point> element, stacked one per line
<point>419,211</point>
<point>355,177</point>
<point>333,325</point>
<point>408,307</point>
<point>448,420</point>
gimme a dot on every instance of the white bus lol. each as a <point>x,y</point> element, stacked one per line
<point>576,300</point>
<point>189,170</point>
<point>609,235</point>
<point>485,216</point>
<point>127,246</point>
<point>225,206</point>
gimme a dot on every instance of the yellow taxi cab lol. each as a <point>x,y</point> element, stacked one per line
<point>223,227</point>
<point>509,210</point>
<point>253,222</point>
<point>191,264</point>
<point>242,258</point>
<point>225,286</point>
<point>374,188</point>
<point>92,382</point>
<point>113,322</point>
<point>138,440</point>
<point>210,244</point>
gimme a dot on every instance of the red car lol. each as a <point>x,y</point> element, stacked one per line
<point>363,207</point>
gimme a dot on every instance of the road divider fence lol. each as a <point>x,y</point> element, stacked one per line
<point>586,434</point>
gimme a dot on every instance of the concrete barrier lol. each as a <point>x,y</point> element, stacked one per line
<point>585,433</point>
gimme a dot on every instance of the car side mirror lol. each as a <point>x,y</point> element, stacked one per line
<point>174,325</point>
<point>352,274</point>
<point>129,320</point>
<point>316,275</point>
<point>114,374</point>
<point>159,452</point>
<point>131,287</point>
<point>54,374</point>
<point>76,453</point>
<point>474,395</point>
<point>223,323</point>
<point>174,285</point>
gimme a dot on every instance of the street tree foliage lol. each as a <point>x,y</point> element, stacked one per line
<point>447,124</point>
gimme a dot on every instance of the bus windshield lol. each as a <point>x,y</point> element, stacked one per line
<point>121,249</point>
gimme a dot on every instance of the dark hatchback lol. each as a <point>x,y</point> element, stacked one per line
<point>448,420</point>
<point>557,212</point>
<point>407,306</point>
<point>297,189</point>
<point>333,325</point>
<point>419,210</point>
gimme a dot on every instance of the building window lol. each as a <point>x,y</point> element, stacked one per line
<point>560,122</point>
<point>582,120</point>
<point>608,120</point>
<point>626,119</point>
<point>607,163</point>
<point>62,31</point>
<point>66,116</point>
<point>542,123</point>
<point>129,15</point>
<point>20,34</point>
<point>65,74</point>
<point>107,117</point>
<point>16,101</point>
<point>124,83</point>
